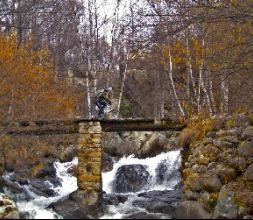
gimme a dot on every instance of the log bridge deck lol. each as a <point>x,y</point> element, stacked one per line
<point>51,127</point>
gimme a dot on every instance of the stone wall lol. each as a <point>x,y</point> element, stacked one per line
<point>218,170</point>
<point>89,178</point>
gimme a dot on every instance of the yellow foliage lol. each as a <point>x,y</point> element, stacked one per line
<point>197,127</point>
<point>28,88</point>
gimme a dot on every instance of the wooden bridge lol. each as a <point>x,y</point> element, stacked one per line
<point>89,179</point>
<point>51,127</point>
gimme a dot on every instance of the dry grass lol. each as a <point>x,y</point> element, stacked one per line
<point>21,152</point>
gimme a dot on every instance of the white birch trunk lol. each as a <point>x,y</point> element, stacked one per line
<point>122,86</point>
<point>190,71</point>
<point>173,85</point>
<point>202,83</point>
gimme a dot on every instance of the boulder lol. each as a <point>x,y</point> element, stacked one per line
<point>168,196</point>
<point>8,209</point>
<point>131,178</point>
<point>226,173</point>
<point>190,210</point>
<point>107,163</point>
<point>68,154</point>
<point>68,209</point>
<point>153,146</point>
<point>127,143</point>
<point>141,215</point>
<point>223,144</point>
<point>154,206</point>
<point>113,199</point>
<point>211,182</point>
<point>226,207</point>
<point>44,169</point>
<point>41,187</point>
<point>248,133</point>
<point>246,148</point>
<point>193,182</point>
<point>248,175</point>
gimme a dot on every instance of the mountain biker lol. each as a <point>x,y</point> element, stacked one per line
<point>102,100</point>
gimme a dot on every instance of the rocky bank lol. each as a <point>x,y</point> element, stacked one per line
<point>217,171</point>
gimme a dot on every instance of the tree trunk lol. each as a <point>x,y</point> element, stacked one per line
<point>173,85</point>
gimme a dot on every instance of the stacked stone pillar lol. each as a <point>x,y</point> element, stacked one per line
<point>89,178</point>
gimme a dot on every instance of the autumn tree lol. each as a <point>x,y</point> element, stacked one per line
<point>29,88</point>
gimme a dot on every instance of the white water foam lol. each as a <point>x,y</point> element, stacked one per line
<point>37,208</point>
<point>173,161</point>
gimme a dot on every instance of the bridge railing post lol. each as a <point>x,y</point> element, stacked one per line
<point>89,178</point>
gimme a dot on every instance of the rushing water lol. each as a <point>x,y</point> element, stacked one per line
<point>172,160</point>
<point>37,207</point>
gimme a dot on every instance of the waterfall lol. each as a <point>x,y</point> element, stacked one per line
<point>170,160</point>
<point>36,208</point>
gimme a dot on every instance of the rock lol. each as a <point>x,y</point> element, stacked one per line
<point>44,169</point>
<point>41,186</point>
<point>246,148</point>
<point>2,163</point>
<point>211,166</point>
<point>206,201</point>
<point>194,183</point>
<point>231,139</point>
<point>248,217</point>
<point>107,163</point>
<point>131,178</point>
<point>154,206</point>
<point>222,144</point>
<point>226,173</point>
<point>167,196</point>
<point>187,165</point>
<point>113,144</point>
<point>231,132</point>
<point>189,195</point>
<point>248,175</point>
<point>202,169</point>
<point>111,199</point>
<point>195,168</point>
<point>68,209</point>
<point>89,201</point>
<point>248,133</point>
<point>170,144</point>
<point>211,182</point>
<point>241,120</point>
<point>68,154</point>
<point>190,210</point>
<point>153,146</point>
<point>73,170</point>
<point>226,207</point>
<point>207,141</point>
<point>211,135</point>
<point>16,190</point>
<point>8,209</point>
<point>239,163</point>
<point>141,215</point>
